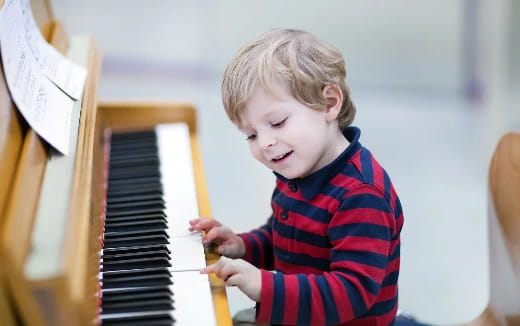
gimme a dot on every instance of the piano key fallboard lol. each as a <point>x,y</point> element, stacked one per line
<point>150,262</point>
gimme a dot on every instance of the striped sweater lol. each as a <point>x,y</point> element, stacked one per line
<point>333,240</point>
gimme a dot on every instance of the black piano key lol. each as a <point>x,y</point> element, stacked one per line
<point>141,162</point>
<point>138,305</point>
<point>136,278</point>
<point>145,145</point>
<point>137,161</point>
<point>133,150</point>
<point>136,249</point>
<point>153,201</point>
<point>128,143</point>
<point>140,159</point>
<point>136,169</point>
<point>142,144</point>
<point>126,136</point>
<point>137,209</point>
<point>126,191</point>
<point>148,145</point>
<point>134,255</point>
<point>144,211</point>
<point>120,235</point>
<point>159,319</point>
<point>136,241</point>
<point>139,197</point>
<point>138,190</point>
<point>138,203</point>
<point>136,218</point>
<point>157,205</point>
<point>135,272</point>
<point>136,225</point>
<point>137,281</point>
<point>132,136</point>
<point>148,189</point>
<point>134,147</point>
<point>137,166</point>
<point>137,254</point>
<point>123,295</point>
<point>135,181</point>
<point>116,265</point>
<point>125,175</point>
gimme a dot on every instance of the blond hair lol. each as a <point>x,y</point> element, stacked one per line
<point>294,57</point>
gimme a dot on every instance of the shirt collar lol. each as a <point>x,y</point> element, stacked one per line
<point>311,185</point>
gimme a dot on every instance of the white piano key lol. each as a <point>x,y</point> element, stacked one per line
<point>192,296</point>
<point>187,253</point>
<point>177,176</point>
<point>192,293</point>
<point>176,166</point>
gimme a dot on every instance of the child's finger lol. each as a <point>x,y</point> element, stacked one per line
<point>227,249</point>
<point>215,234</point>
<point>209,269</point>
<point>232,280</point>
<point>205,224</point>
<point>194,224</point>
<point>220,268</point>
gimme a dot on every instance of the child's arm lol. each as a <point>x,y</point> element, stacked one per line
<point>259,248</point>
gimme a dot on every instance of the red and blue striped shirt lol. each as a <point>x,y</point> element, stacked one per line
<point>333,240</point>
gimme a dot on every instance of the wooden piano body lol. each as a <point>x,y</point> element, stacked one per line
<point>68,296</point>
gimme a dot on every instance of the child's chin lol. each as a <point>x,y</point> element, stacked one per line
<point>289,175</point>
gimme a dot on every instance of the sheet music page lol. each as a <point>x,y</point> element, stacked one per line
<point>45,107</point>
<point>67,75</point>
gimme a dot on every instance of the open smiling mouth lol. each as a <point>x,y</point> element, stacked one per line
<point>281,157</point>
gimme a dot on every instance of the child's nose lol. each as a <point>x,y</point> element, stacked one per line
<point>267,141</point>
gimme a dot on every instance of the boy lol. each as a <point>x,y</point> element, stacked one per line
<point>333,236</point>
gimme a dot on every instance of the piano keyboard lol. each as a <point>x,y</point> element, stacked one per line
<point>150,262</point>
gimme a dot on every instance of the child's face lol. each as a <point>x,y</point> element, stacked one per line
<point>287,136</point>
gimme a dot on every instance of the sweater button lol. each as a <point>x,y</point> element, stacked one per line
<point>284,215</point>
<point>292,187</point>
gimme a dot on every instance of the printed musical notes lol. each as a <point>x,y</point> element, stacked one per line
<point>67,75</point>
<point>41,81</point>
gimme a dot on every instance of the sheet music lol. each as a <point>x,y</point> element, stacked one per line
<point>67,75</point>
<point>45,107</point>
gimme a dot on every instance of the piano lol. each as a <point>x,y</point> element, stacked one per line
<point>100,236</point>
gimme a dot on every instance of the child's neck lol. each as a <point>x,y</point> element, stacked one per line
<point>338,143</point>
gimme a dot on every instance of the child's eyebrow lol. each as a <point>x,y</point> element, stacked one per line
<point>274,113</point>
<point>244,128</point>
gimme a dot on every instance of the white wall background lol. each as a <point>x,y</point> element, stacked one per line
<point>392,43</point>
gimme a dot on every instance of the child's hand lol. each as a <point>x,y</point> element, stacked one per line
<point>229,244</point>
<point>238,272</point>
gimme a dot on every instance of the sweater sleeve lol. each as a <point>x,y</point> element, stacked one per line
<point>360,232</point>
<point>259,248</point>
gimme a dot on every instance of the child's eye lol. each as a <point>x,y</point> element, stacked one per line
<point>251,137</point>
<point>278,124</point>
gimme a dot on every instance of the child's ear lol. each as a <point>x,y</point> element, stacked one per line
<point>334,97</point>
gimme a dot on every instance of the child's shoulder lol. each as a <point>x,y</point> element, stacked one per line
<point>362,170</point>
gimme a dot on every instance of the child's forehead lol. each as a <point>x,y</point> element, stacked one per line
<point>248,117</point>
<point>267,98</point>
